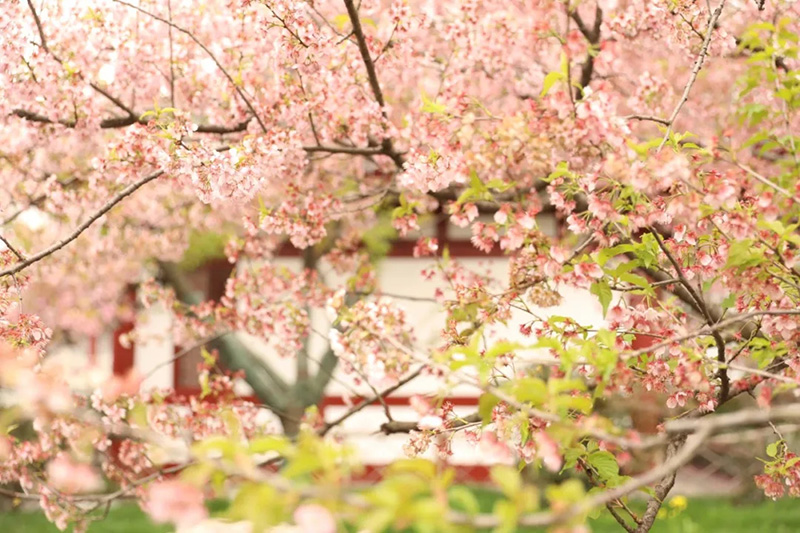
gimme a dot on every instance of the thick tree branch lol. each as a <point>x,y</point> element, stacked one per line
<point>352,13</point>
<point>327,365</point>
<point>592,35</point>
<point>358,31</point>
<point>661,490</point>
<point>310,260</point>
<point>710,320</point>
<point>352,150</point>
<point>122,122</point>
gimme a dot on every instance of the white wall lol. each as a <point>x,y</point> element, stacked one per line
<point>399,276</point>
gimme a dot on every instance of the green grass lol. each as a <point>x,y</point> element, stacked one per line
<point>125,518</point>
<point>715,516</point>
<point>700,516</point>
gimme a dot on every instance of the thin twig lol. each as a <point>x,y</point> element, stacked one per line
<point>116,101</point>
<point>766,181</point>
<point>210,54</point>
<point>706,329</point>
<point>397,426</point>
<point>184,352</point>
<point>14,251</point>
<point>698,64</point>
<point>649,118</point>
<point>171,60</point>
<point>369,401</point>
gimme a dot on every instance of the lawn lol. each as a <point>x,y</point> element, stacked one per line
<point>699,516</point>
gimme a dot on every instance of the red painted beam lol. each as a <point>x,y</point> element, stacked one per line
<point>405,248</point>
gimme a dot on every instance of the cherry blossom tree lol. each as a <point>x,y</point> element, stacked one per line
<point>662,133</point>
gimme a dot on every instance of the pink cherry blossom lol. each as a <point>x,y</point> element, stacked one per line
<point>176,502</point>
<point>71,477</point>
<point>312,517</point>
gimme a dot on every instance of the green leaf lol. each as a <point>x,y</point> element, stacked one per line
<point>464,499</point>
<point>743,254</point>
<point>215,446</point>
<point>500,348</point>
<point>729,301</point>
<point>430,106</point>
<point>571,457</point>
<point>772,448</point>
<point>582,404</point>
<point>508,479</point>
<point>378,520</point>
<point>379,237</point>
<point>532,390</point>
<point>138,415</point>
<point>602,290</point>
<point>570,491</point>
<point>260,504</point>
<point>421,467</point>
<point>647,250</point>
<point>203,247</point>
<point>272,443</point>
<point>208,358</point>
<point>634,279</point>
<point>475,182</point>
<point>508,515</point>
<point>605,464</point>
<point>607,253</point>
<point>791,462</point>
<point>486,404</point>
<point>562,169</point>
<point>550,80</point>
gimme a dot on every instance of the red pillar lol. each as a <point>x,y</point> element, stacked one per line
<point>123,356</point>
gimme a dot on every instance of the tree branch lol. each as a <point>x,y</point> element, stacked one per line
<point>396,426</point>
<point>661,489</point>
<point>698,64</point>
<point>122,122</point>
<point>186,32</point>
<point>710,320</point>
<point>592,35</point>
<point>266,383</point>
<point>327,365</point>
<point>124,193</point>
<point>11,247</point>
<point>369,401</point>
<point>352,13</point>
<point>116,101</point>
<point>649,118</point>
